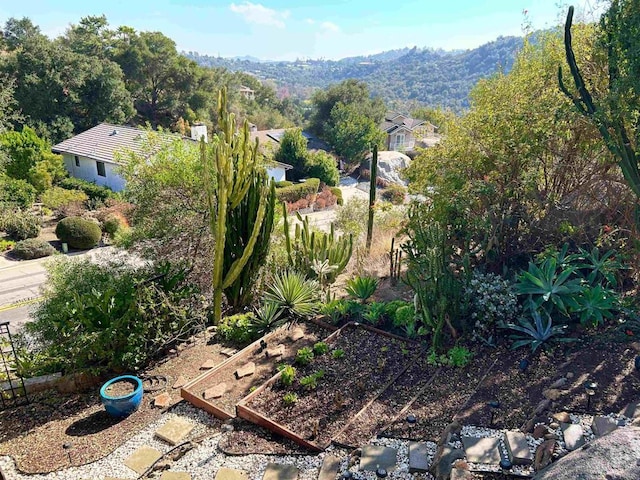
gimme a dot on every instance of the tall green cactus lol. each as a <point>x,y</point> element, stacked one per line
<point>373,183</point>
<point>611,126</point>
<point>240,223</point>
<point>230,165</point>
<point>311,248</point>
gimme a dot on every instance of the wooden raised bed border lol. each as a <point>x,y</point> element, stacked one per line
<point>208,406</point>
<point>243,411</point>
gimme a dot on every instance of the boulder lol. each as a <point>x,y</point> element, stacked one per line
<point>616,454</point>
<point>390,165</point>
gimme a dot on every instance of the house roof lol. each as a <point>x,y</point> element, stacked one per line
<point>273,137</point>
<point>394,121</point>
<point>105,140</point>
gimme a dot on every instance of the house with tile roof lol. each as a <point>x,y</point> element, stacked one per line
<point>93,154</point>
<point>403,131</point>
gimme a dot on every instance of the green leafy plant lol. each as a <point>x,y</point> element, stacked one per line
<point>32,248</point>
<point>492,299</point>
<point>290,398</point>
<point>304,356</point>
<point>288,375</point>
<point>56,197</point>
<point>320,348</point>
<point>267,317</point>
<point>310,382</point>
<point>6,244</point>
<point>374,312</point>
<point>599,269</point>
<point>337,353</point>
<point>595,304</point>
<point>549,287</point>
<point>535,334</point>
<point>401,313</point>
<point>459,356</point>
<point>294,294</point>
<point>337,310</point>
<point>361,288</point>
<point>237,329</point>
<point>20,225</point>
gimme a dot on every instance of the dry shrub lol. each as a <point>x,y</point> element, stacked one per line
<point>123,210</point>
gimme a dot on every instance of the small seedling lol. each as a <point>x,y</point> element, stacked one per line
<point>304,356</point>
<point>290,398</point>
<point>253,389</point>
<point>320,348</point>
<point>384,349</point>
<point>288,375</point>
<point>338,353</point>
<point>310,382</point>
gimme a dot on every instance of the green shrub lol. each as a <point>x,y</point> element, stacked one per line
<point>96,193</point>
<point>296,296</point>
<point>32,248</point>
<point>20,225</point>
<point>112,223</point>
<point>310,382</point>
<point>283,183</point>
<point>18,193</point>
<point>304,356</point>
<point>288,375</point>
<point>337,191</point>
<point>6,244</point>
<point>320,348</point>
<point>237,329</point>
<point>459,356</point>
<point>298,191</point>
<point>110,316</point>
<point>361,288</point>
<point>78,232</point>
<point>58,197</point>
<point>338,353</point>
<point>394,193</point>
<point>322,165</point>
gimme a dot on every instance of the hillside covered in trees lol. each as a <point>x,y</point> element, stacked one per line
<point>401,77</point>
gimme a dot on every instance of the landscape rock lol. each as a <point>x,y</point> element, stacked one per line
<point>228,351</point>
<point>231,474</point>
<point>162,401</point>
<point>209,364</point>
<point>561,382</point>
<point>278,471</point>
<point>215,392</point>
<point>482,449</point>
<point>276,351</point>
<point>390,164</point>
<point>518,448</point>
<point>540,431</point>
<point>615,454</point>
<point>631,411</point>
<point>544,454</point>
<point>552,394</point>
<point>442,462</point>
<point>461,474</point>
<point>246,370</point>
<point>602,425</point>
<point>573,435</point>
<point>296,334</point>
<point>543,406</point>
<point>374,456</point>
<point>141,459</point>
<point>329,468</point>
<point>418,457</point>
<point>569,375</point>
<point>180,382</point>
<point>561,417</point>
<point>175,430</point>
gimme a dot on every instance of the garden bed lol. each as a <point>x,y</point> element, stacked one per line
<point>224,407</point>
<point>372,360</point>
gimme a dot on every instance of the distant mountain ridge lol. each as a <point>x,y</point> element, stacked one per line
<point>401,77</point>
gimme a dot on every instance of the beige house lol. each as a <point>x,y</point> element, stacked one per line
<point>403,131</point>
<point>247,93</point>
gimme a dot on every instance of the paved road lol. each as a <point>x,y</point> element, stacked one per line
<point>17,317</point>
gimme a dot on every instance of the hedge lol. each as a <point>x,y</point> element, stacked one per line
<point>93,191</point>
<point>20,225</point>
<point>338,193</point>
<point>283,183</point>
<point>16,192</point>
<point>32,248</point>
<point>295,192</point>
<point>78,232</point>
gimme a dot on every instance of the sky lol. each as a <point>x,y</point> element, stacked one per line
<point>290,29</point>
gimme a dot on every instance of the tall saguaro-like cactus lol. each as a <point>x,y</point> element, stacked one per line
<point>230,165</point>
<point>610,125</point>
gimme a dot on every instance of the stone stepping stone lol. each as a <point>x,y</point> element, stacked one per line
<point>228,352</point>
<point>113,478</point>
<point>374,456</point>
<point>215,392</point>
<point>162,401</point>
<point>246,370</point>
<point>561,417</point>
<point>518,448</point>
<point>142,459</point>
<point>208,365</point>
<point>180,382</point>
<point>276,351</point>
<point>166,475</point>
<point>418,457</point>
<point>231,474</point>
<point>174,431</point>
<point>329,468</point>
<point>602,425</point>
<point>485,450</point>
<point>278,471</point>
<point>573,435</point>
<point>461,474</point>
<point>296,334</point>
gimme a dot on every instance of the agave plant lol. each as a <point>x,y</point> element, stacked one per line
<point>296,296</point>
<point>602,269</point>
<point>267,317</point>
<point>595,304</point>
<point>537,333</point>
<point>546,286</point>
<point>361,288</point>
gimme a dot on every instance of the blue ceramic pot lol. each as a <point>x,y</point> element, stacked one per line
<point>126,404</point>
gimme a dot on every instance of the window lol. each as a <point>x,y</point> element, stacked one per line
<point>77,160</point>
<point>399,140</point>
<point>101,170</point>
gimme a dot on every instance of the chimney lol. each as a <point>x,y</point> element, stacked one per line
<point>253,127</point>
<point>198,131</point>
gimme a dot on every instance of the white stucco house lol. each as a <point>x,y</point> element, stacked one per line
<point>92,155</point>
<point>403,132</point>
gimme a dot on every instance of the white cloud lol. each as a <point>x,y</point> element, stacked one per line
<point>310,21</point>
<point>329,27</point>
<point>260,15</point>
